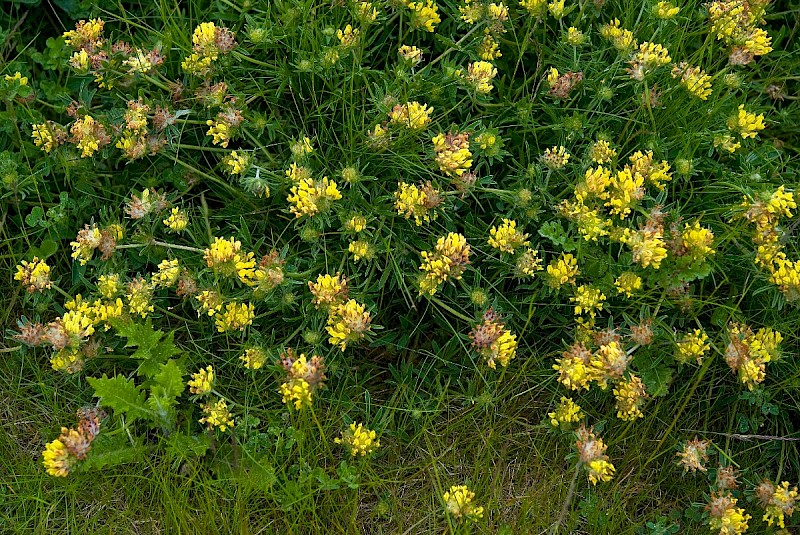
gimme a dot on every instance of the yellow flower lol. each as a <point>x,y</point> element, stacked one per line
<point>237,317</point>
<point>210,302</point>
<point>528,264</point>
<point>167,274</point>
<point>575,37</point>
<point>648,247</point>
<point>57,460</point>
<point>348,323</point>
<point>506,237</point>
<point>480,75</point>
<point>296,390</point>
<point>360,249</point>
<point>627,283</point>
<point>600,470</point>
<point>459,502</point>
<point>555,157</point>
<point>567,412</point>
<point>563,270</point>
<point>725,517</point>
<point>329,291</point>
<point>348,37</point>
<point>220,132</point>
<point>412,115</point>
<point>359,440</point>
<point>18,78</point>
<point>217,415</point>
<point>253,358</point>
<point>89,135</point>
<point>109,285</point>
<point>781,504</point>
<point>692,346</point>
<point>630,395</point>
<point>665,10</point>
<point>34,275</point>
<point>745,123</point>
<point>237,163</point>
<point>556,8</point>
<point>411,54</point>
<point>424,15</point>
<point>448,260</point>
<point>601,152</point>
<point>620,38</point>
<point>177,220</point>
<point>452,153</point>
<point>697,241</point>
<point>489,49</point>
<point>537,8</point>
<point>588,300</point>
<point>311,197</point>
<point>44,136</point>
<point>85,34</point>
<point>694,79</point>
<point>411,200</point>
<point>202,382</point>
<point>140,296</point>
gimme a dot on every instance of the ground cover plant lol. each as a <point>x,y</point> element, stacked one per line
<point>400,267</point>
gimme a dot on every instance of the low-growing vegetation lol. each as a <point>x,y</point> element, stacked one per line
<point>398,266</point>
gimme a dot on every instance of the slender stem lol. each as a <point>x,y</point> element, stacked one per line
<point>565,506</point>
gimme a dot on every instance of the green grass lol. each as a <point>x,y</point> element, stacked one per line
<point>443,417</point>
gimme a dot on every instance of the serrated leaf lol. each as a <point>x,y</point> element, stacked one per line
<point>120,394</point>
<point>186,447</point>
<point>111,451</point>
<point>657,380</point>
<point>149,346</point>
<point>170,378</point>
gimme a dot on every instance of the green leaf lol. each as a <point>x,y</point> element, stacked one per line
<point>35,217</point>
<point>120,394</point>
<point>149,346</point>
<point>171,379</point>
<point>185,447</point>
<point>657,380</point>
<point>111,451</point>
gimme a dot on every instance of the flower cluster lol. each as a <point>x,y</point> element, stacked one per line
<point>778,501</point>
<point>765,214</point>
<point>448,260</point>
<point>507,237</point>
<point>567,412</point>
<point>62,455</point>
<point>592,455</point>
<point>209,42</point>
<point>459,502</point>
<point>310,197</point>
<point>493,340</point>
<point>34,275</point>
<point>735,22</point>
<point>303,377</point>
<point>748,353</point>
<point>418,202</point>
<point>359,440</point>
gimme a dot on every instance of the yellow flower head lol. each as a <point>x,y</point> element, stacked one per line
<point>348,323</point>
<point>424,15</point>
<point>480,75</point>
<point>627,283</point>
<point>562,270</point>
<point>452,153</point>
<point>202,382</point>
<point>459,502</point>
<point>567,412</point>
<point>34,275</point>
<point>237,317</point>
<point>217,415</point>
<point>177,220</point>
<point>506,237</point>
<point>359,440</point>
<point>448,260</point>
<point>745,123</point>
<point>412,115</point>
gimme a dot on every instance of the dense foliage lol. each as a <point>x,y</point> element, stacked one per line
<point>394,266</point>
